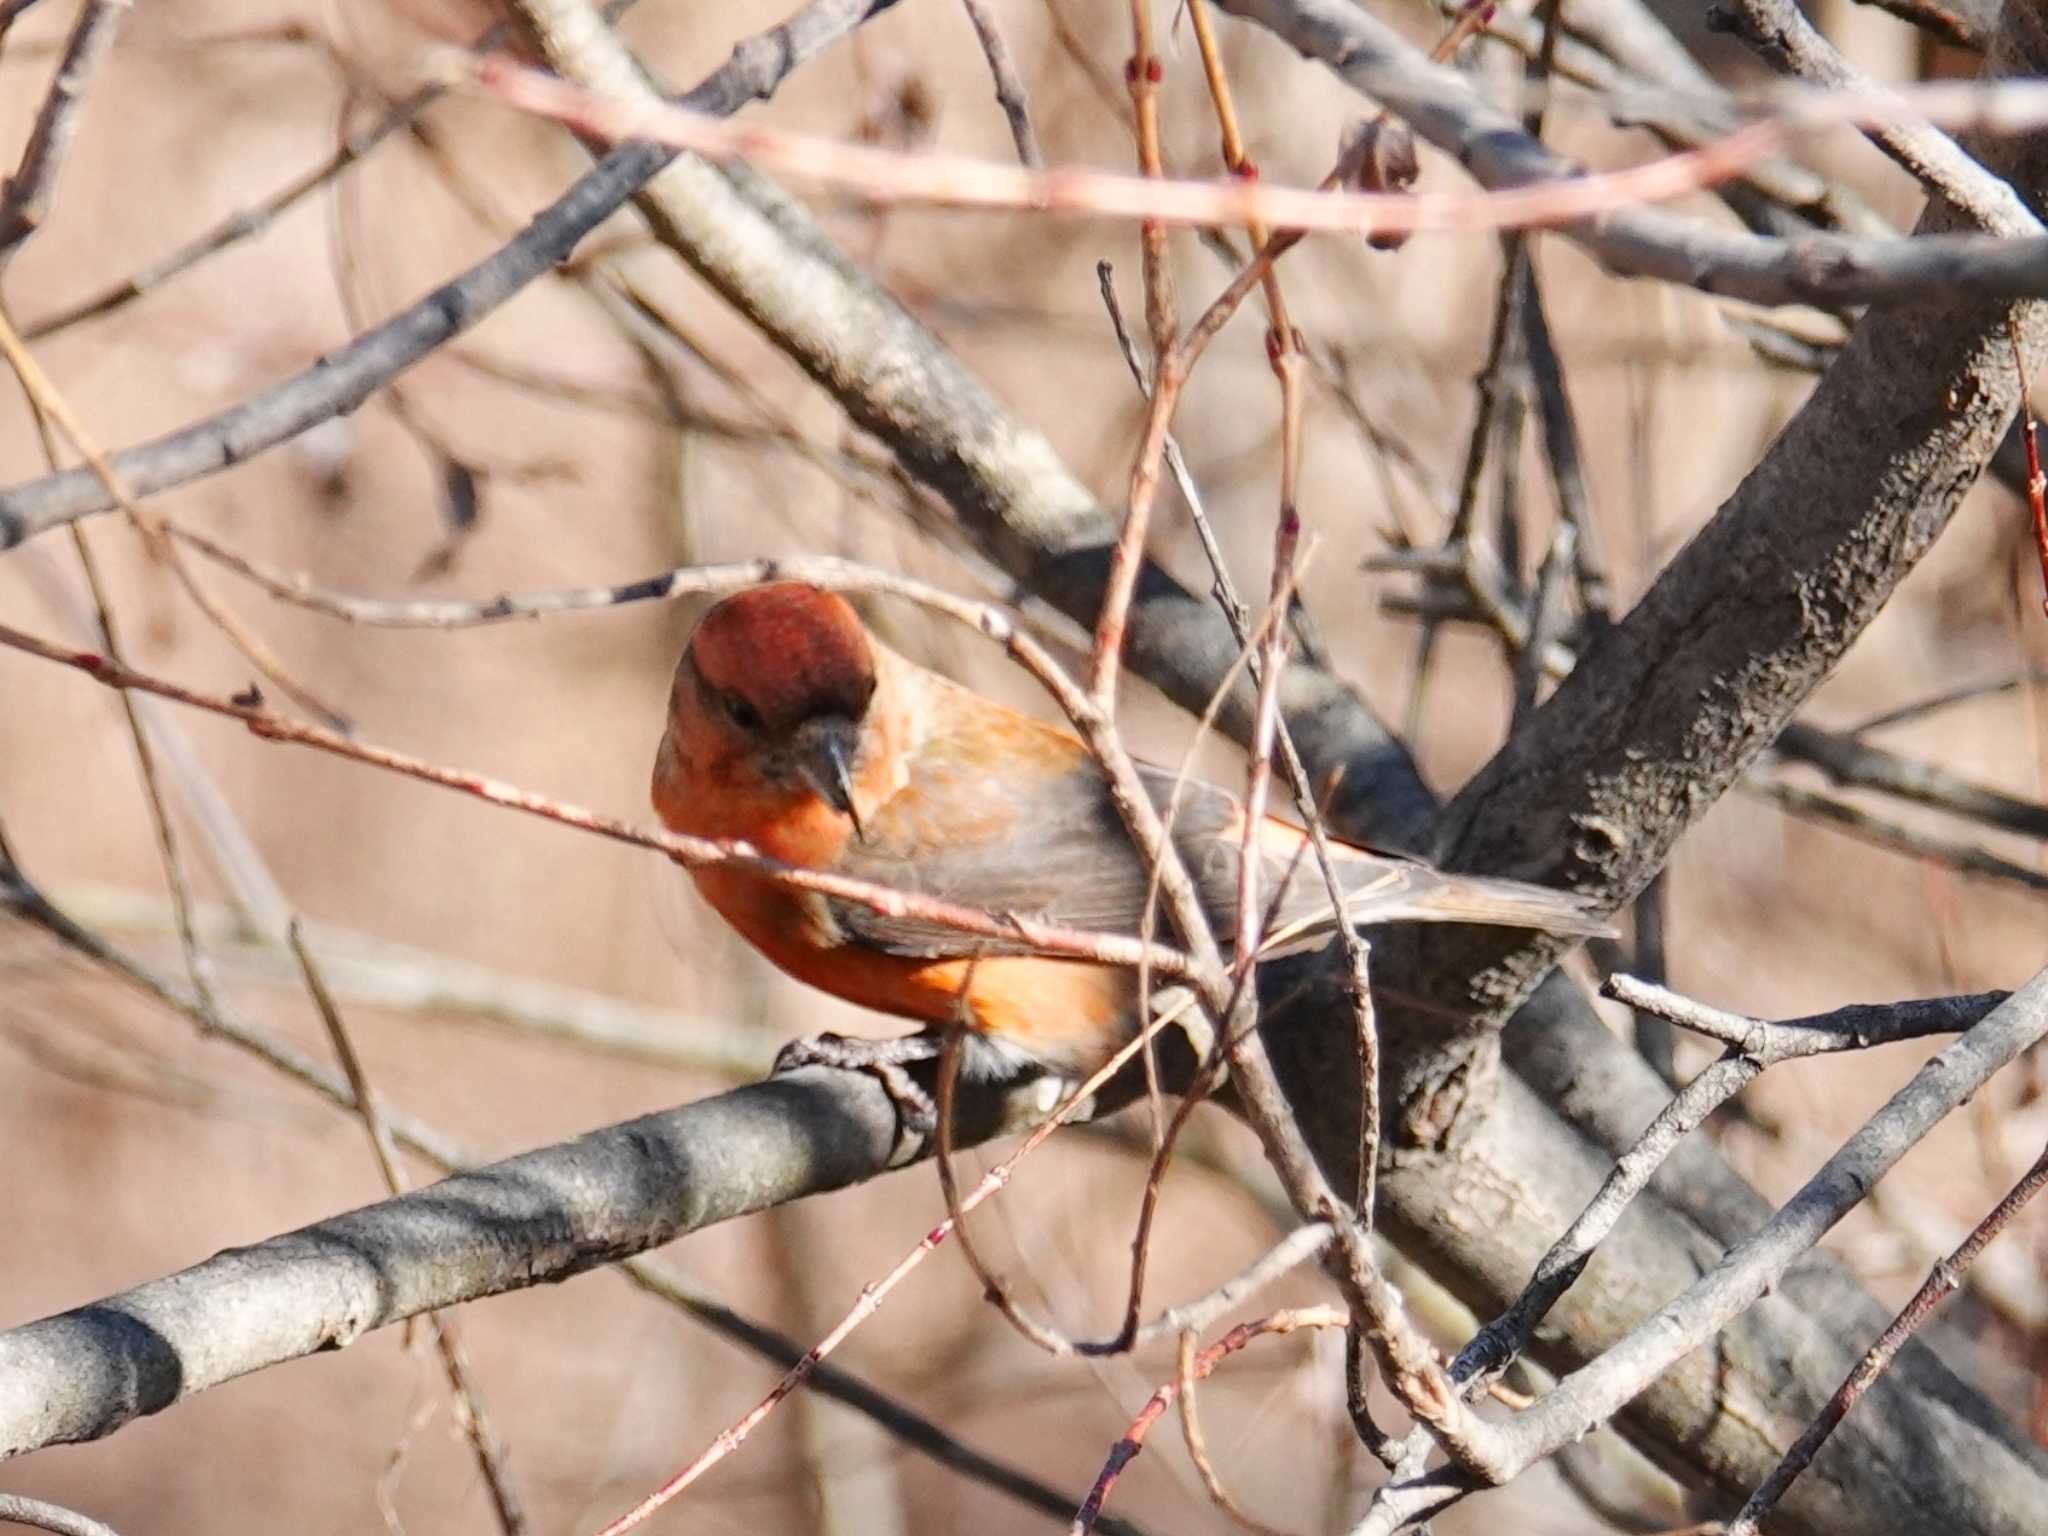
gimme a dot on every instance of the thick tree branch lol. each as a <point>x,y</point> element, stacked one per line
<point>1663,712</point>
<point>1647,732</point>
<point>542,1216</point>
<point>1593,1393</point>
<point>217,1019</point>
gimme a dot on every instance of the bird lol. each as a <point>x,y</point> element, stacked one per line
<point>792,728</point>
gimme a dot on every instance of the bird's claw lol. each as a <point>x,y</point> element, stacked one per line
<point>885,1060</point>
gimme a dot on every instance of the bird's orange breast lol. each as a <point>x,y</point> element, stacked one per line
<point>1072,1014</point>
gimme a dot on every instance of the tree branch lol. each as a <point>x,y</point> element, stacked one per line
<point>1635,242</point>
<point>344,378</point>
<point>542,1216</point>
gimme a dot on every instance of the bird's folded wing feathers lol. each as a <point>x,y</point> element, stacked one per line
<point>1050,846</point>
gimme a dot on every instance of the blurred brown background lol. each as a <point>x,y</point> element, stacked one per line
<point>135,1147</point>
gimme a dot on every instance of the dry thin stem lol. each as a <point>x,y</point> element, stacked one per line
<point>1143,74</point>
<point>1010,93</point>
<point>930,178</point>
<point>993,1291</point>
<point>151,526</point>
<point>1236,160</point>
<point>872,1295</point>
<point>1292,1251</point>
<point>1191,1430</point>
<point>1126,1450</point>
<point>1948,698</point>
<point>25,196</point>
<point>883,175</point>
<point>954,181</point>
<point>1966,858</point>
<point>1848,760</point>
<point>197,965</point>
<point>487,1445</point>
<point>1106,949</point>
<point>248,222</point>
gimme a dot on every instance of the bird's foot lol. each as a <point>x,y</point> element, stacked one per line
<point>886,1060</point>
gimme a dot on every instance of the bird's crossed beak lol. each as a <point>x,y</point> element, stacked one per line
<point>825,753</point>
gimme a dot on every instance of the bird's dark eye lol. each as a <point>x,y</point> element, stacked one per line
<point>743,714</point>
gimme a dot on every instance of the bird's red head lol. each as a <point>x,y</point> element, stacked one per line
<point>782,654</point>
<point>768,706</point>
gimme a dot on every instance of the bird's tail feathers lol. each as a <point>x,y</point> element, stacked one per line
<point>1500,903</point>
<point>1387,890</point>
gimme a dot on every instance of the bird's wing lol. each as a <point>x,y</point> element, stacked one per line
<point>1042,839</point>
<point>1005,815</point>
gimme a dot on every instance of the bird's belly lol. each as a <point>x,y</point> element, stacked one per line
<point>1068,1014</point>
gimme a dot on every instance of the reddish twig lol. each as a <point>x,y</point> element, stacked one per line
<point>150,525</point>
<point>1944,1278</point>
<point>1142,74</point>
<point>956,181</point>
<point>871,1298</point>
<point>2036,484</point>
<point>1198,1447</point>
<point>1105,949</point>
<point>1205,1362</point>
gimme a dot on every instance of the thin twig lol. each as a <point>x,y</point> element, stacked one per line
<point>221,1022</point>
<point>151,526</point>
<point>695,852</point>
<point>1948,698</point>
<point>25,196</point>
<point>243,224</point>
<point>955,181</point>
<point>1846,760</point>
<point>872,1296</point>
<point>2037,485</point>
<point>1292,1251</point>
<point>1010,92</point>
<point>1170,365</point>
<point>1946,1276</point>
<point>1126,1449</point>
<point>176,881</point>
<point>1859,823</point>
<point>485,1442</point>
<point>1191,1432</point>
